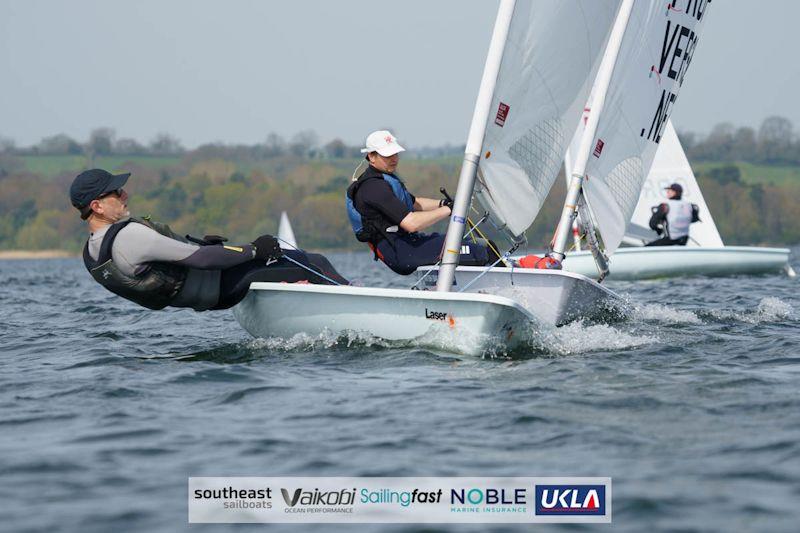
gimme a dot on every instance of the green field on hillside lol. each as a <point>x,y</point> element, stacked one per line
<point>756,174</point>
<point>52,165</point>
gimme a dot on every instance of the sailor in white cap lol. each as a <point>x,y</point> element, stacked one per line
<point>386,216</point>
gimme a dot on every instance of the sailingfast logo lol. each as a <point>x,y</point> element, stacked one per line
<point>570,500</point>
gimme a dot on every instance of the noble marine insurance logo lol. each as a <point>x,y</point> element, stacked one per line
<point>488,500</point>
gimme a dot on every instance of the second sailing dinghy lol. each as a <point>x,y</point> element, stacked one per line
<point>704,254</point>
<point>545,53</point>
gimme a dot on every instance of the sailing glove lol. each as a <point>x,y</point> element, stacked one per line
<point>211,240</point>
<point>267,248</point>
<point>446,202</point>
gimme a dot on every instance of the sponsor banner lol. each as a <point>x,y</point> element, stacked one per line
<point>386,500</point>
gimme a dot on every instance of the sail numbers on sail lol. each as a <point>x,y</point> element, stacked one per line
<point>677,49</point>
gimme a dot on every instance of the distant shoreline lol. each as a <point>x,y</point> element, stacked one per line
<point>36,254</point>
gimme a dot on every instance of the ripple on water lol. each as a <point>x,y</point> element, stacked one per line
<point>117,435</point>
<point>242,394</point>
<point>24,420</point>
<point>221,374</point>
<point>96,362</point>
<point>40,466</point>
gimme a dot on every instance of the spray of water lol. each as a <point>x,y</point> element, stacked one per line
<point>663,314</point>
<point>768,310</point>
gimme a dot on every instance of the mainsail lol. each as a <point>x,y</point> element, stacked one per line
<point>671,166</point>
<point>547,68</point>
<point>651,66</point>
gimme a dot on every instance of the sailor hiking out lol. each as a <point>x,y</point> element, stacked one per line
<point>149,264</point>
<point>386,216</point>
<point>671,219</point>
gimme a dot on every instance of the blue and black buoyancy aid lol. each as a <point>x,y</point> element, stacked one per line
<point>155,287</point>
<point>371,229</point>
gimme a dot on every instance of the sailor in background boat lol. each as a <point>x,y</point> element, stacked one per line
<point>147,263</point>
<point>672,219</point>
<point>386,216</point>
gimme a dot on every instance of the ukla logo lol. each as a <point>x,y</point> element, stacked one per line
<point>570,500</point>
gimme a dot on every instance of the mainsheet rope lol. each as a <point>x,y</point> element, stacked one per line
<point>301,265</point>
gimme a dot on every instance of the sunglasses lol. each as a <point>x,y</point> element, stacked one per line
<point>116,192</point>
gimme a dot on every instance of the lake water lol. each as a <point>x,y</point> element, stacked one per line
<point>692,406</point>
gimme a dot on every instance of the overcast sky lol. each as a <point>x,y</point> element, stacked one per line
<point>234,71</point>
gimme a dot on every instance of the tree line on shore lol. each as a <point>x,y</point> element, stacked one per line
<point>773,143</point>
<point>104,142</point>
<point>240,190</point>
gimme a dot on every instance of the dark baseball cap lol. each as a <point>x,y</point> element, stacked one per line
<point>675,187</point>
<point>91,184</point>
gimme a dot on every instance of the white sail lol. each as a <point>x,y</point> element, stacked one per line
<point>671,166</point>
<point>548,65</point>
<point>656,51</point>
<point>286,234</point>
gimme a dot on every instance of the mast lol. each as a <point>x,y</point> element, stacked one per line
<point>601,85</point>
<point>472,154</point>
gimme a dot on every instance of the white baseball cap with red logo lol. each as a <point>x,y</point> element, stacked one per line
<point>383,142</point>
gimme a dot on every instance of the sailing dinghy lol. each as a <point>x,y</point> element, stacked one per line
<point>704,254</point>
<point>536,79</point>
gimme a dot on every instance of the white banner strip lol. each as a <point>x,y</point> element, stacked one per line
<point>388,500</point>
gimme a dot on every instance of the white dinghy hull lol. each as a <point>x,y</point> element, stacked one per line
<point>672,261</point>
<point>556,297</point>
<point>471,324</point>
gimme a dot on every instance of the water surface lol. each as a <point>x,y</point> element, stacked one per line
<point>691,405</point>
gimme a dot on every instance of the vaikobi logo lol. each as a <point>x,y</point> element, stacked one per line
<point>318,501</point>
<point>570,500</point>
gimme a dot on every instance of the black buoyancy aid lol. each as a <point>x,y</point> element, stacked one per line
<point>371,229</point>
<point>155,287</point>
